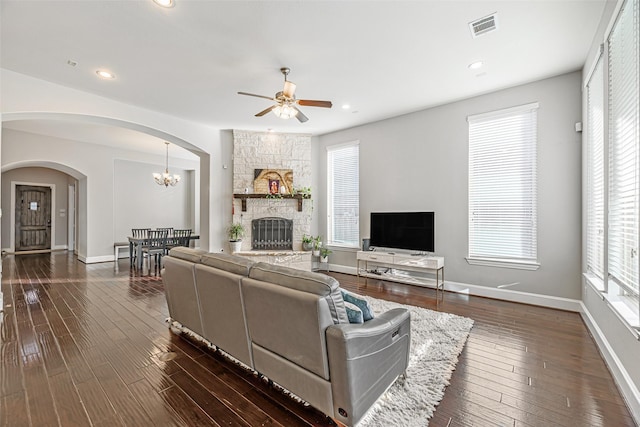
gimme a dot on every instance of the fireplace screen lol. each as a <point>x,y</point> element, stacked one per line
<point>272,233</point>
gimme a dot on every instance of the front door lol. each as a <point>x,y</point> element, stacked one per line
<point>33,218</point>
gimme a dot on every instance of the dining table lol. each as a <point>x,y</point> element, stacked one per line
<point>137,243</point>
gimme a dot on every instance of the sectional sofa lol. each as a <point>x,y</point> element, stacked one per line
<point>290,326</point>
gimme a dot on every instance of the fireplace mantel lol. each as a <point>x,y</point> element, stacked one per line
<point>243,198</point>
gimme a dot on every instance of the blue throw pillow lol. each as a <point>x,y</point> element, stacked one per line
<point>358,301</point>
<point>353,313</point>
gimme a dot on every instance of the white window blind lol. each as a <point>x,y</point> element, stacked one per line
<point>595,172</point>
<point>502,185</point>
<point>343,196</point>
<point>623,149</point>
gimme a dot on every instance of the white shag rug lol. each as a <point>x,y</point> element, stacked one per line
<point>437,339</point>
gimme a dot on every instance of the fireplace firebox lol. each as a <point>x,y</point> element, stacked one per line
<point>272,233</point>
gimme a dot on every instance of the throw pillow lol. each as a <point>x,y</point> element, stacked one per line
<point>353,313</point>
<point>361,303</point>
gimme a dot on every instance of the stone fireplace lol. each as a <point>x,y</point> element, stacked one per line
<point>272,233</point>
<point>275,152</point>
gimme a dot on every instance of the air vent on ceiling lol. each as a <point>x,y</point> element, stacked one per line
<point>484,25</point>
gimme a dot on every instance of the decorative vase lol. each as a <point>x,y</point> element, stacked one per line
<point>316,252</point>
<point>236,245</point>
<point>307,246</point>
<point>324,259</point>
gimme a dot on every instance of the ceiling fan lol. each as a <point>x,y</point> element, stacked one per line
<point>286,103</point>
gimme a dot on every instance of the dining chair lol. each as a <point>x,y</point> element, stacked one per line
<point>138,233</point>
<point>168,229</point>
<point>179,238</point>
<point>156,246</point>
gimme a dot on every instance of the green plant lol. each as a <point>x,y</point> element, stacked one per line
<point>236,231</point>
<point>324,252</point>
<point>305,192</point>
<point>274,196</point>
<point>307,239</point>
<point>317,243</point>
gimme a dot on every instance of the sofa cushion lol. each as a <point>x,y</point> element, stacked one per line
<point>231,263</point>
<point>307,281</point>
<point>361,303</point>
<point>187,254</point>
<point>353,313</point>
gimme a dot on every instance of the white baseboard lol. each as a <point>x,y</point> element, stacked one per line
<point>95,259</point>
<point>629,391</point>
<point>501,294</point>
<point>515,296</point>
<point>60,247</point>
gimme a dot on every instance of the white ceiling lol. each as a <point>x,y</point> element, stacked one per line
<point>384,58</point>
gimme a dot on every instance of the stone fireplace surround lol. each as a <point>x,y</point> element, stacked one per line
<point>260,150</point>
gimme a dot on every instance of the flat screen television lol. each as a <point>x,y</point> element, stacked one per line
<point>414,231</point>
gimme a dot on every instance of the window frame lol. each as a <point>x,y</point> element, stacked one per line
<point>331,193</point>
<point>506,260</point>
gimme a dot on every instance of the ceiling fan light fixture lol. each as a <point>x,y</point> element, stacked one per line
<point>164,3</point>
<point>285,111</point>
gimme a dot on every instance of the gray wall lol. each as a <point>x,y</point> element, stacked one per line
<point>419,162</point>
<point>141,203</point>
<point>41,176</point>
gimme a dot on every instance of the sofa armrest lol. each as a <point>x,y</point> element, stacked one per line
<point>365,359</point>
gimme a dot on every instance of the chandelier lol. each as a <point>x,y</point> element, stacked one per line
<point>166,178</point>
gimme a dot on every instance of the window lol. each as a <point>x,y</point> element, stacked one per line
<point>595,172</point>
<point>343,210</point>
<point>624,170</point>
<point>502,188</point>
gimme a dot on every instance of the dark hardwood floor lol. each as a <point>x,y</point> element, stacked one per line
<point>88,345</point>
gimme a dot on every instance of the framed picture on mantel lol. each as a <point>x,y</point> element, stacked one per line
<point>272,181</point>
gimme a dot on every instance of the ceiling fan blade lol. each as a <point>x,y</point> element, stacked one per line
<point>311,103</point>
<point>301,117</point>
<point>257,96</point>
<point>265,111</point>
<point>289,89</point>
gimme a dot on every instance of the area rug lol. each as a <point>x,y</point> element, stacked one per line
<point>437,339</point>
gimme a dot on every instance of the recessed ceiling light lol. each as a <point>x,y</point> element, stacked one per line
<point>105,74</point>
<point>71,62</point>
<point>164,3</point>
<point>475,65</point>
<point>346,106</point>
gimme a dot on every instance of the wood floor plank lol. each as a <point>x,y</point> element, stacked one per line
<point>88,344</point>
<point>96,402</point>
<point>190,413</point>
<point>42,410</point>
<point>10,368</point>
<point>207,401</point>
<point>153,404</point>
<point>68,404</point>
<point>14,411</point>
<point>233,399</point>
<point>131,413</point>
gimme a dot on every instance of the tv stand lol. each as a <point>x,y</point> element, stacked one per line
<point>406,263</point>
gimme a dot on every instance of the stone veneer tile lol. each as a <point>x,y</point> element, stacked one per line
<point>260,150</point>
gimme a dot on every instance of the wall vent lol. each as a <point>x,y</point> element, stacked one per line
<point>484,25</point>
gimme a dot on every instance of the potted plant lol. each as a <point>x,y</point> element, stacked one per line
<point>317,244</point>
<point>305,192</point>
<point>324,254</point>
<point>307,242</point>
<point>236,231</point>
